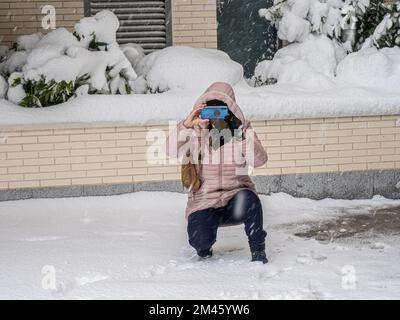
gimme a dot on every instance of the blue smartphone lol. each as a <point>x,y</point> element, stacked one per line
<point>214,112</point>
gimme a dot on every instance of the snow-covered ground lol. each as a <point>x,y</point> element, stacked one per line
<point>263,103</point>
<point>135,246</point>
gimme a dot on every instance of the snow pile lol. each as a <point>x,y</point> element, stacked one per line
<point>133,52</point>
<point>372,67</point>
<point>59,38</point>
<point>318,63</point>
<point>28,42</point>
<point>188,68</point>
<point>310,63</point>
<point>272,102</point>
<point>14,61</point>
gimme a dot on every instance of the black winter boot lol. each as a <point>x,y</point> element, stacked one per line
<point>205,253</point>
<point>259,256</point>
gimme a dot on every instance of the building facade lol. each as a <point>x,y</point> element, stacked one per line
<point>156,24</point>
<point>186,22</point>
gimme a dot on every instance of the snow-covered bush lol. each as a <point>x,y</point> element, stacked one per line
<point>42,93</point>
<point>380,25</point>
<point>296,19</point>
<point>188,68</point>
<point>316,53</point>
<point>51,68</point>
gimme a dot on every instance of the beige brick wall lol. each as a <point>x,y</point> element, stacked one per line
<point>194,23</point>
<point>110,155</point>
<point>21,17</point>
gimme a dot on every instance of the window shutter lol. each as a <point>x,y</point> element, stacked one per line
<point>141,21</point>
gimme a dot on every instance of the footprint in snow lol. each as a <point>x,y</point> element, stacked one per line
<point>66,285</point>
<point>309,259</point>
<point>269,273</point>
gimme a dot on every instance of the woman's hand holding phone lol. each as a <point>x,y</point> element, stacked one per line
<point>194,118</point>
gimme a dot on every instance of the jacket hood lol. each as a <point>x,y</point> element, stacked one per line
<point>222,91</point>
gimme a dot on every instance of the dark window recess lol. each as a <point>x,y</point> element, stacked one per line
<point>243,34</point>
<point>144,22</point>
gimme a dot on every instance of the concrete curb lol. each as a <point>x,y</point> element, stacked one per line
<point>336,185</point>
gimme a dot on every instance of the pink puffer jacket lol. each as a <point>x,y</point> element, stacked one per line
<point>221,180</point>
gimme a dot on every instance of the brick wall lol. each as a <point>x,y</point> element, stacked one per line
<point>24,16</point>
<point>113,155</point>
<point>194,23</point>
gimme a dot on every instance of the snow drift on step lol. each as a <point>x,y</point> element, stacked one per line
<point>188,68</point>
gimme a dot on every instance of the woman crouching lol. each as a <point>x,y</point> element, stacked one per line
<point>217,153</point>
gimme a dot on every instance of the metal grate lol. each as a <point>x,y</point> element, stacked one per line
<point>144,21</point>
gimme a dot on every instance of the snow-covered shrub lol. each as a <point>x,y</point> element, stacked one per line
<point>41,93</point>
<point>188,68</point>
<point>51,68</point>
<point>372,67</point>
<point>380,25</point>
<point>101,66</point>
<point>314,30</point>
<point>309,63</point>
<point>296,19</point>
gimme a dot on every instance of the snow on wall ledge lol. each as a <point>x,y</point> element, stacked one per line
<point>76,155</point>
<point>263,103</point>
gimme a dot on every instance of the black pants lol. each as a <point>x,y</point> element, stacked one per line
<point>245,207</point>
